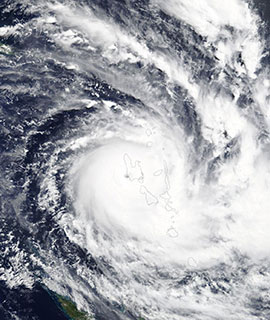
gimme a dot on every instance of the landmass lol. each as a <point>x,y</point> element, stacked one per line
<point>70,308</point>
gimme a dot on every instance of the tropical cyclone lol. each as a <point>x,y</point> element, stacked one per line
<point>135,156</point>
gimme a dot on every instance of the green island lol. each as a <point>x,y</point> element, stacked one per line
<point>70,308</point>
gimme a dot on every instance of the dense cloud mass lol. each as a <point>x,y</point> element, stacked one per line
<point>135,170</point>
